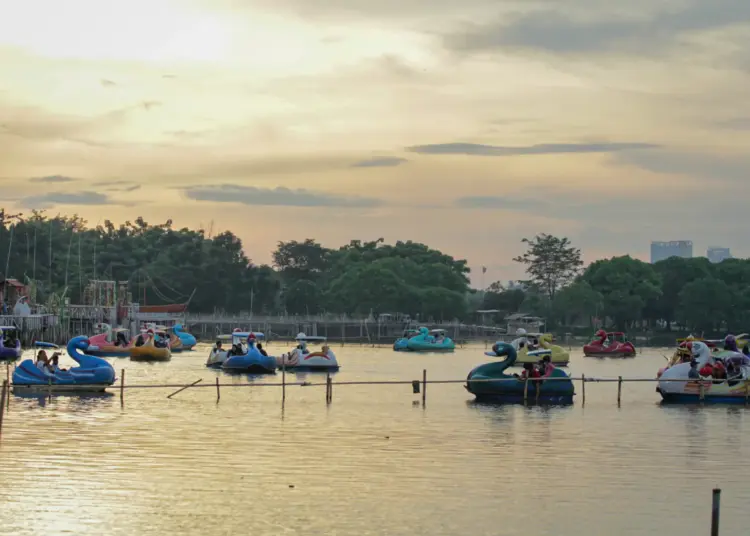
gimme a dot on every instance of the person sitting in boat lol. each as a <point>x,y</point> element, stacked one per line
<point>262,350</point>
<point>251,339</point>
<point>55,363</point>
<point>746,349</point>
<point>439,337</point>
<point>720,371</point>
<point>730,344</point>
<point>42,362</point>
<point>217,347</point>
<point>545,366</point>
<point>707,371</point>
<point>693,373</point>
<point>120,339</point>
<point>529,371</point>
<point>533,344</point>
<point>140,340</point>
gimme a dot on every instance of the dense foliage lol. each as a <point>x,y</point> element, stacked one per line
<point>623,292</point>
<point>168,265</point>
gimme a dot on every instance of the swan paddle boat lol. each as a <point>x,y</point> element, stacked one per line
<point>188,340</point>
<point>303,360</point>
<point>425,341</point>
<point>612,344</point>
<point>251,359</point>
<point>10,343</point>
<point>93,374</point>
<point>110,342</point>
<point>218,354</point>
<point>149,347</point>
<point>676,385</point>
<point>531,347</point>
<point>511,388</point>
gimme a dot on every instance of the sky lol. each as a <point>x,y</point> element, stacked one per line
<point>464,124</point>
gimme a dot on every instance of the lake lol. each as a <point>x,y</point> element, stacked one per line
<point>372,462</point>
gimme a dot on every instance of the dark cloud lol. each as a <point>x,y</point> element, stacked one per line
<point>712,167</point>
<point>602,28</point>
<point>251,195</point>
<point>475,149</point>
<point>118,186</point>
<point>52,179</point>
<point>738,123</point>
<point>61,198</point>
<point>491,202</point>
<point>381,161</point>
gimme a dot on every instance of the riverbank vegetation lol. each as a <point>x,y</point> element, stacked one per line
<point>58,256</point>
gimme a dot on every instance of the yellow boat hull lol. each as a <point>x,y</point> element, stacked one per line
<point>149,352</point>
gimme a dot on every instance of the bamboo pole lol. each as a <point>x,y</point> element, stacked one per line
<point>526,389</point>
<point>185,387</point>
<point>283,379</point>
<point>702,390</point>
<point>424,386</point>
<point>583,389</point>
<point>3,394</point>
<point>218,393</point>
<point>715,511</point>
<point>122,384</point>
<point>619,390</point>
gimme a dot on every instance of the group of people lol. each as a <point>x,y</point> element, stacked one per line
<point>237,349</point>
<point>48,364</point>
<point>539,370</point>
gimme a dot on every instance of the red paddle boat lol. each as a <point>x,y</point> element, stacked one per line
<point>611,344</point>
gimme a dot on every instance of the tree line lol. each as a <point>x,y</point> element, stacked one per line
<point>59,255</point>
<point>623,292</point>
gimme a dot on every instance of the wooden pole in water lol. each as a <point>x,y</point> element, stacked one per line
<point>424,386</point>
<point>526,389</point>
<point>583,389</point>
<point>218,393</point>
<point>746,391</point>
<point>619,389</point>
<point>329,384</point>
<point>715,510</point>
<point>196,382</point>
<point>283,379</point>
<point>702,389</point>
<point>122,384</point>
<point>2,404</point>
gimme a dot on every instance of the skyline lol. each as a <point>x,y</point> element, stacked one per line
<point>466,125</point>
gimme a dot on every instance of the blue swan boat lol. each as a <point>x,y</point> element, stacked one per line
<point>12,350</point>
<point>251,361</point>
<point>424,341</point>
<point>511,388</point>
<point>188,341</point>
<point>93,373</point>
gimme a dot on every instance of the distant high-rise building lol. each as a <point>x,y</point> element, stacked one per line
<point>675,248</point>
<point>718,254</point>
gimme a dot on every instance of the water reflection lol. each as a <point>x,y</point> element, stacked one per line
<point>375,461</point>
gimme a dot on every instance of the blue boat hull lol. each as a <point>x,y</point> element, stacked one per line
<point>685,398</point>
<point>257,364</point>
<point>515,398</point>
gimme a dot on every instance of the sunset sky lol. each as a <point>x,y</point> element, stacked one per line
<point>464,124</point>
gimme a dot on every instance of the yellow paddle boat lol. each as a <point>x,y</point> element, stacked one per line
<point>537,351</point>
<point>148,351</point>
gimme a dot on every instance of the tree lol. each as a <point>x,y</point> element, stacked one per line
<point>551,262</point>
<point>505,300</point>
<point>300,260</point>
<point>578,302</point>
<point>676,273</point>
<point>626,285</point>
<point>705,303</point>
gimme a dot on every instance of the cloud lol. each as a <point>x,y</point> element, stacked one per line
<point>280,196</point>
<point>107,83</point>
<point>597,29</point>
<point>714,167</point>
<point>380,161</point>
<point>475,149</point>
<point>118,186</point>
<point>52,178</point>
<point>60,198</point>
<point>738,123</point>
<point>498,203</point>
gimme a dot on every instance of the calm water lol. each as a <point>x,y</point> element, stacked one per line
<point>374,461</point>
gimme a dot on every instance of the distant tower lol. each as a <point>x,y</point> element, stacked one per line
<point>674,248</point>
<point>717,254</point>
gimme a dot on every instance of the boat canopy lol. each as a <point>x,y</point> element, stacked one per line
<point>240,335</point>
<point>437,331</point>
<point>8,328</point>
<point>309,338</point>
